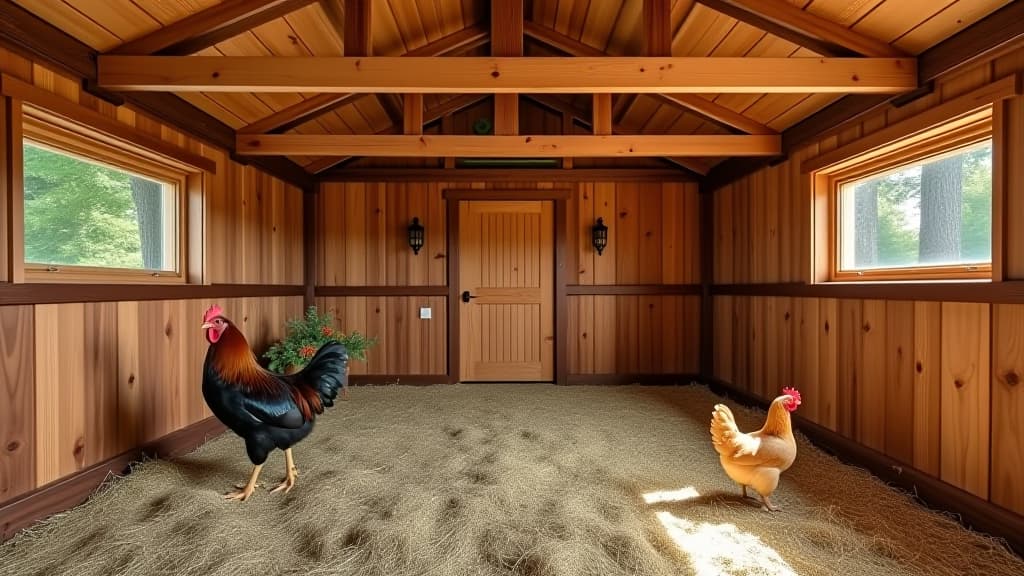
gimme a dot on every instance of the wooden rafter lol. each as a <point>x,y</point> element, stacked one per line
<point>412,113</point>
<point>302,112</point>
<point>657,21</point>
<point>803,28</point>
<point>506,75</point>
<point>706,108</point>
<point>698,166</point>
<point>531,146</point>
<point>506,41</point>
<point>358,39</point>
<point>434,114</point>
<point>210,26</point>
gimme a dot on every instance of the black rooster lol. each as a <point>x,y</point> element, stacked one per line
<point>267,410</point>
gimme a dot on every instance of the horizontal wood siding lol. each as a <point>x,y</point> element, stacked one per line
<point>935,385</point>
<point>83,382</point>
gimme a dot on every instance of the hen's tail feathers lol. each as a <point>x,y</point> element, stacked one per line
<point>723,429</point>
<point>327,371</point>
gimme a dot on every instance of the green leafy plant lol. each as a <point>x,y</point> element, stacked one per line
<point>304,336</point>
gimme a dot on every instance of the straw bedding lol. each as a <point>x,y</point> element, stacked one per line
<point>535,480</point>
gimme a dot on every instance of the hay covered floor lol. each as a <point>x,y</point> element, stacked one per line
<point>535,480</point>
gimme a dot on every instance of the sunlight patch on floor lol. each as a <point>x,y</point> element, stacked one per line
<point>717,549</point>
<point>671,495</point>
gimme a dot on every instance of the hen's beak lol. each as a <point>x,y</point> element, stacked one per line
<point>206,325</point>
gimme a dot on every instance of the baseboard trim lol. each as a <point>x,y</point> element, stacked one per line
<point>624,379</point>
<point>70,491</point>
<point>972,512</point>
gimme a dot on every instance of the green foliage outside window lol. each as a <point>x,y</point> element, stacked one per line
<point>934,212</point>
<point>79,213</point>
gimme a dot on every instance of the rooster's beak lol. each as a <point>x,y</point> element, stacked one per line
<point>206,325</point>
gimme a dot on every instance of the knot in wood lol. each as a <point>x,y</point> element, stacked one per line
<point>919,367</point>
<point>13,445</point>
<point>1012,378</point>
<point>958,383</point>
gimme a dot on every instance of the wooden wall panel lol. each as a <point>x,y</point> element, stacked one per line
<point>1007,406</point>
<point>17,401</point>
<point>407,344</point>
<point>650,334</point>
<point>363,237</point>
<point>965,396</point>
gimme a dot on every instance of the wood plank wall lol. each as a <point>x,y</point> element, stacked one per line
<point>83,382</point>
<point>934,385</point>
<point>652,247</point>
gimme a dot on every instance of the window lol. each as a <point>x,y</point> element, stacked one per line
<point>93,210</point>
<point>933,214</point>
<point>918,209</point>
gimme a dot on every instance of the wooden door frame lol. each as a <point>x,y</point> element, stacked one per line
<point>559,197</point>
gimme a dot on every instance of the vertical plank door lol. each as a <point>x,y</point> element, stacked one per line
<point>506,270</point>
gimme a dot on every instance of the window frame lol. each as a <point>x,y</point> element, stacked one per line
<point>941,141</point>
<point>39,128</point>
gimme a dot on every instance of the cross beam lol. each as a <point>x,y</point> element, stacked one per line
<point>546,146</point>
<point>506,75</point>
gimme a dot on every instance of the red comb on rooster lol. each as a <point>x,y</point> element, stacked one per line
<point>212,312</point>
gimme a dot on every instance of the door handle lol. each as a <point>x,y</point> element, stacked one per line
<point>466,296</point>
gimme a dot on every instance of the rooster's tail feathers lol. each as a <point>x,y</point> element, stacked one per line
<point>723,429</point>
<point>327,371</point>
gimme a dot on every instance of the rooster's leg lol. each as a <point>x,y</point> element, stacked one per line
<point>291,472</point>
<point>248,489</point>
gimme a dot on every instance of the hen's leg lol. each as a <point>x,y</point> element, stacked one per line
<point>768,504</point>
<point>291,473</point>
<point>246,491</point>
<point>744,487</point>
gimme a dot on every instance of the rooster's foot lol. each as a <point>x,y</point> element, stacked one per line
<point>291,472</point>
<point>245,491</point>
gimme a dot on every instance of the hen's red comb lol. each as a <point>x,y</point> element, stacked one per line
<point>792,392</point>
<point>212,313</point>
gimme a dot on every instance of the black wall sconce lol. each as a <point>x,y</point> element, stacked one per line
<point>415,235</point>
<point>599,236</point>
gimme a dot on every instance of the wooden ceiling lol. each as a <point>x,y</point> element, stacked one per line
<point>618,28</point>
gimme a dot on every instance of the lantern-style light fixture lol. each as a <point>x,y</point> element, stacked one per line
<point>599,236</point>
<point>415,235</point>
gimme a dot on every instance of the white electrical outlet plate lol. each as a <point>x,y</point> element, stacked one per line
<point>425,313</point>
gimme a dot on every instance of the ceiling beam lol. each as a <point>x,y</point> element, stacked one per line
<point>506,75</point>
<point>412,113</point>
<point>706,108</point>
<point>803,28</point>
<point>506,41</point>
<point>990,35</point>
<point>312,107</point>
<point>516,175</point>
<point>210,26</point>
<point>533,146</point>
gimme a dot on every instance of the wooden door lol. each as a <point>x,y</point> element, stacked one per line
<point>506,264</point>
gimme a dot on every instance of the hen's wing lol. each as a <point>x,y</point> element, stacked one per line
<point>727,438</point>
